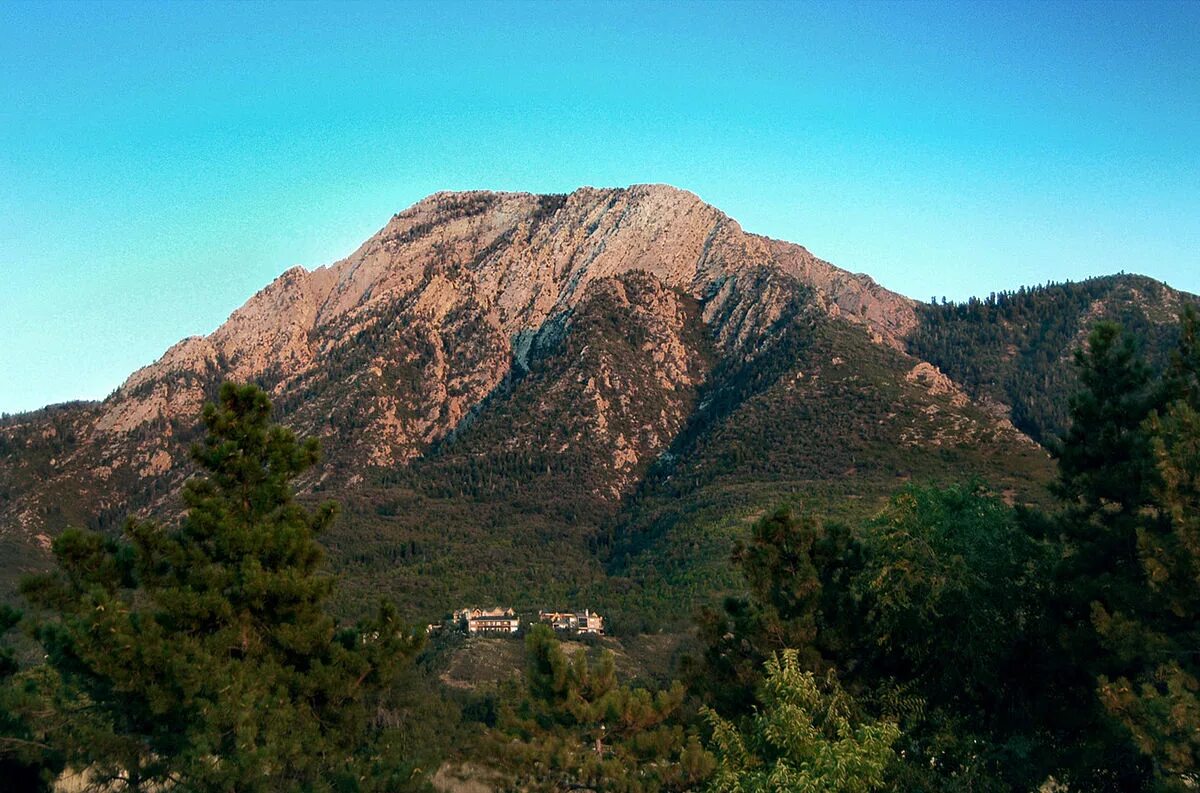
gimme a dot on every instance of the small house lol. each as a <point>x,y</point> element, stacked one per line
<point>573,622</point>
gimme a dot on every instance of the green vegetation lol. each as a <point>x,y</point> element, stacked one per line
<point>936,633</point>
<point>202,655</point>
<point>1014,347</point>
<point>1010,645</point>
<point>27,762</point>
<point>576,726</point>
<point>803,739</point>
<point>824,436</point>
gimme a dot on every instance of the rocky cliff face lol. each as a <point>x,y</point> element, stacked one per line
<point>609,327</point>
<point>494,267</point>
<point>411,331</point>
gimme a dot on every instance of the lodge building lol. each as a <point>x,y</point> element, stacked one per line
<point>488,621</point>
<point>577,622</point>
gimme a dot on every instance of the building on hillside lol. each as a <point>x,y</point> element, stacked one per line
<point>564,621</point>
<point>575,622</point>
<point>590,622</point>
<point>488,621</point>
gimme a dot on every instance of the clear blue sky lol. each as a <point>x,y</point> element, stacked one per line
<point>160,162</point>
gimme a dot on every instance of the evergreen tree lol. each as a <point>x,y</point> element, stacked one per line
<point>1104,460</point>
<point>1158,699</point>
<point>1128,581</point>
<point>1106,476</point>
<point>783,564</point>
<point>577,727</point>
<point>27,762</point>
<point>204,652</point>
<point>1182,378</point>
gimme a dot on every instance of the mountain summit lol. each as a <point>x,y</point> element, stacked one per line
<point>496,269</point>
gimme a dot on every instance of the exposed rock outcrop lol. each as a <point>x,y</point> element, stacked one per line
<point>508,262</point>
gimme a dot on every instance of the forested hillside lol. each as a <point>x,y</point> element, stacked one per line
<point>947,641</point>
<point>1015,347</point>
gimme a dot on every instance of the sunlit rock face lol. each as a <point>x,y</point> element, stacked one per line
<point>452,303</point>
<point>489,269</point>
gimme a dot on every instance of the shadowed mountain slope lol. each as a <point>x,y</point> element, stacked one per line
<point>1014,349</point>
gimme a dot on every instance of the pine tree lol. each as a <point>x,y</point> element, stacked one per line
<point>1104,460</point>
<point>1106,475</point>
<point>1158,700</point>
<point>204,652</point>
<point>577,727</point>
<point>1130,576</point>
<point>780,564</point>
<point>1182,378</point>
<point>27,762</point>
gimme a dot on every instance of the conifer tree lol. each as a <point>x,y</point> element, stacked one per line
<point>782,564</point>
<point>1106,476</point>
<point>203,652</point>
<point>1104,460</point>
<point>1158,638</point>
<point>579,728</point>
<point>1182,378</point>
<point>27,762</point>
<point>1129,578</point>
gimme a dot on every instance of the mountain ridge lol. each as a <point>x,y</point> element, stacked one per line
<point>271,337</point>
<point>549,369</point>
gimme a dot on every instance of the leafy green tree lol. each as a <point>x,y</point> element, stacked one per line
<point>949,586</point>
<point>203,652</point>
<point>578,727</point>
<point>953,636</point>
<point>933,613</point>
<point>804,738</point>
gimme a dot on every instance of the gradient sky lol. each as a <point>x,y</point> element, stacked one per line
<point>161,162</point>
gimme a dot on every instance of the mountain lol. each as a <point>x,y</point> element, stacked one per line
<point>552,399</point>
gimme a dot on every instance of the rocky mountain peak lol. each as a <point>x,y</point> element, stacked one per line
<point>512,262</point>
<point>517,259</point>
<point>394,347</point>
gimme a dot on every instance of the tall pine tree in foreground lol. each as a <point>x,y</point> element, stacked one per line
<point>1130,469</point>
<point>202,656</point>
<point>1153,688</point>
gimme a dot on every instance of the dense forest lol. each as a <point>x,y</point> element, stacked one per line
<point>952,641</point>
<point>1014,347</point>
